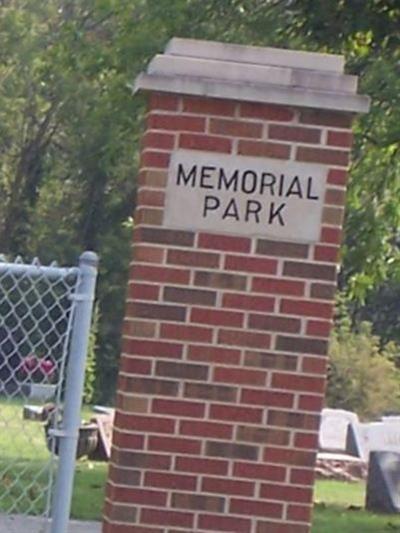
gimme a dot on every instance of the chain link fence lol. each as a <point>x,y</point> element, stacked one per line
<point>38,306</point>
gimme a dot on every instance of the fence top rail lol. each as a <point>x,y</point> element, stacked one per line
<point>35,269</point>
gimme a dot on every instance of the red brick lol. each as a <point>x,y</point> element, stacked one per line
<point>175,122</point>
<point>244,338</point>
<point>135,459</point>
<point>216,317</point>
<point>119,528</point>
<point>340,138</point>
<point>134,365</point>
<point>236,128</point>
<point>132,404</point>
<point>292,420</point>
<point>248,302</point>
<point>148,216</point>
<point>264,149</point>
<point>251,264</point>
<point>294,133</point>
<point>278,286</point>
<point>156,139</point>
<point>170,481</point>
<point>331,235</point>
<point>274,323</point>
<point>213,354</point>
<point>208,106</point>
<point>286,493</point>
<point>239,376</point>
<point>195,428</point>
<point>295,382</point>
<point>154,348</point>
<point>147,254</point>
<point>145,423</point>
<point>164,518</point>
<point>256,508</point>
<point>202,466</point>
<point>318,328</point>
<point>306,440</point>
<point>301,513</point>
<point>138,328</point>
<point>220,523</point>
<point>329,254</point>
<point>151,197</point>
<point>152,178</point>
<point>129,441</point>
<point>277,361</point>
<point>193,258</point>
<point>302,476</point>
<point>314,365</point>
<point>266,111</point>
<point>179,408</point>
<point>307,308</point>
<point>140,496</point>
<point>322,155</point>
<point>182,370</point>
<point>210,143</point>
<point>236,413</point>
<point>197,502</point>
<point>189,296</point>
<point>321,117</point>
<point>138,385</point>
<point>224,242</point>
<point>163,101</point>
<point>219,393</point>
<point>337,176</point>
<point>259,471</point>
<point>335,197</point>
<point>160,274</point>
<point>154,159</point>
<point>157,311</point>
<point>174,445</point>
<point>266,398</point>
<point>289,456</point>
<point>282,248</point>
<point>323,291</point>
<point>333,215</point>
<point>302,345</point>
<point>262,435</point>
<point>311,403</point>
<point>227,486</point>
<point>231,450</point>
<point>316,271</point>
<point>186,333</point>
<point>164,236</point>
<point>282,527</point>
<point>220,280</point>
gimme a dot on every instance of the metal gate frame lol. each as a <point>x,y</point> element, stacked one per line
<point>66,431</point>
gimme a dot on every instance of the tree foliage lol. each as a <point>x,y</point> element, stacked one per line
<point>363,376</point>
<point>69,129</point>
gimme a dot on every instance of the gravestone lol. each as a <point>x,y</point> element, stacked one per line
<point>334,428</point>
<point>383,486</point>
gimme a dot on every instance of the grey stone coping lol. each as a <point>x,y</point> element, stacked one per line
<point>255,74</point>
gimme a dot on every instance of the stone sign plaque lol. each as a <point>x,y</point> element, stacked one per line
<point>245,196</point>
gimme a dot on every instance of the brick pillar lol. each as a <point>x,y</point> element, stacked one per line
<point>223,368</point>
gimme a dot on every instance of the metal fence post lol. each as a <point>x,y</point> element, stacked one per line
<point>69,432</point>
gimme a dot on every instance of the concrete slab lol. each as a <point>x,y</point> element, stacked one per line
<point>32,524</point>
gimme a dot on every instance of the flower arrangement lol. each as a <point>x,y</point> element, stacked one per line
<point>37,369</point>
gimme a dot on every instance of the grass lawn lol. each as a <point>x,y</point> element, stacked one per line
<point>24,467</point>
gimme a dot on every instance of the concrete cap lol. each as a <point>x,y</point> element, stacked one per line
<point>255,74</point>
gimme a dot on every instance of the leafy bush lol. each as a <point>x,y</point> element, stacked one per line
<point>362,374</point>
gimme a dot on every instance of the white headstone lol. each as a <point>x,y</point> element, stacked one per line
<point>333,429</point>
